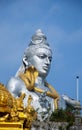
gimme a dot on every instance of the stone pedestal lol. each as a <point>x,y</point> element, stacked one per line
<point>77,119</point>
<point>78,115</point>
<point>77,124</point>
<point>48,125</point>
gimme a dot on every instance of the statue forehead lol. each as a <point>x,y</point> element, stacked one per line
<point>38,50</point>
<point>43,51</point>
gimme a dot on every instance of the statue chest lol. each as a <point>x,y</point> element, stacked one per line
<point>43,104</point>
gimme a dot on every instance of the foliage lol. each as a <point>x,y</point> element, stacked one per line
<point>60,128</point>
<point>61,115</point>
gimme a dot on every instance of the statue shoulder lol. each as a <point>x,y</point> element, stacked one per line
<point>12,80</point>
<point>14,85</point>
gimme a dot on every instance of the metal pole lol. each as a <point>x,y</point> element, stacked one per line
<point>77,77</point>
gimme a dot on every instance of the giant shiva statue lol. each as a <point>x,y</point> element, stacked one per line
<point>31,77</point>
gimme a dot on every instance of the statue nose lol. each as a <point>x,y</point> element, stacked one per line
<point>47,61</point>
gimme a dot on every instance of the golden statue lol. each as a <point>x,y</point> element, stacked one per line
<point>30,113</point>
<point>12,111</point>
<point>6,103</point>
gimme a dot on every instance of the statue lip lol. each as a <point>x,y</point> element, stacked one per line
<point>45,67</point>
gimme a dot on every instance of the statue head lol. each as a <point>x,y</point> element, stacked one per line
<point>38,53</point>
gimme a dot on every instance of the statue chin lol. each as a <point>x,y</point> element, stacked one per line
<point>44,72</point>
<point>44,75</point>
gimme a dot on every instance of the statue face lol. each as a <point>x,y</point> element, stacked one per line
<point>41,60</point>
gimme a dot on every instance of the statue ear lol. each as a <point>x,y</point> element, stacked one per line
<point>25,61</point>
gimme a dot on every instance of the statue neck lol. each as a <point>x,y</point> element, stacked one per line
<point>40,81</point>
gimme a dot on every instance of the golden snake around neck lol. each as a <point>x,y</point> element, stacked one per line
<point>29,77</point>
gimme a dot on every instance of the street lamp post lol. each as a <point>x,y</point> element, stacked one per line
<point>77,80</point>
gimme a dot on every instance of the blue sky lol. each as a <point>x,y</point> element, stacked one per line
<point>61,21</point>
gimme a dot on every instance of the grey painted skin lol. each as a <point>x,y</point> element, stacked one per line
<point>39,55</point>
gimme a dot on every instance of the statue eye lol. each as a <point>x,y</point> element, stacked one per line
<point>41,56</point>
